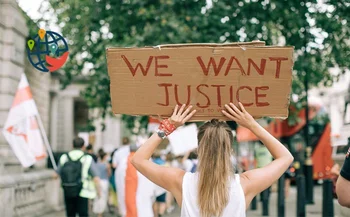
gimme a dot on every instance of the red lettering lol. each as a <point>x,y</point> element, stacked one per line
<point>228,68</point>
<point>138,65</point>
<point>278,64</point>
<point>161,66</point>
<point>211,62</point>
<point>237,95</point>
<point>231,94</point>
<point>257,95</point>
<point>205,95</point>
<point>166,85</point>
<point>218,92</point>
<point>188,95</point>
<point>260,70</point>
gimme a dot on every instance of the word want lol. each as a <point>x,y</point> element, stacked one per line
<point>233,61</point>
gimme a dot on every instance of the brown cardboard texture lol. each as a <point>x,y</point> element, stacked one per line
<point>152,80</point>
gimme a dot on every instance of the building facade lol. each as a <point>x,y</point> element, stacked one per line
<point>336,99</point>
<point>23,192</point>
<point>34,191</point>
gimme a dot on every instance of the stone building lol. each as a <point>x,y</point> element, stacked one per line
<point>33,191</point>
<point>334,98</point>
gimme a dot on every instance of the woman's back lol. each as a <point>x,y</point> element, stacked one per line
<point>213,191</point>
<point>235,207</point>
<point>102,168</point>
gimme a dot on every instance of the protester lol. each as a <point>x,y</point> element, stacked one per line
<point>104,172</point>
<point>289,174</point>
<point>214,190</point>
<point>169,197</point>
<point>193,157</point>
<point>90,151</point>
<point>77,170</point>
<point>159,206</point>
<point>335,172</point>
<point>244,164</point>
<point>135,192</point>
<point>112,178</point>
<point>234,162</point>
<point>343,183</point>
<point>263,158</point>
<point>122,152</point>
<point>113,203</point>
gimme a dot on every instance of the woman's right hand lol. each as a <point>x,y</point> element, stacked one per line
<point>239,115</point>
<point>181,116</point>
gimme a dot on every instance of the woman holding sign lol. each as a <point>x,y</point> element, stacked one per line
<point>214,190</point>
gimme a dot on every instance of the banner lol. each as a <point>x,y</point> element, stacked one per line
<point>152,80</point>
<point>21,128</point>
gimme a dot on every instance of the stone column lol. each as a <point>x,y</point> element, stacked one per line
<point>112,134</point>
<point>22,194</point>
<point>65,123</point>
<point>13,31</point>
<point>53,121</point>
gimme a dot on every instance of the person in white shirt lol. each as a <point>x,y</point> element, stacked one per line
<point>214,190</point>
<point>136,193</point>
<point>121,153</point>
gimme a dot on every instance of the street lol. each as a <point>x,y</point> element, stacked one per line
<point>314,210</point>
<point>175,213</point>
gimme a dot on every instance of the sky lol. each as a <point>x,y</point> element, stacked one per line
<point>31,7</point>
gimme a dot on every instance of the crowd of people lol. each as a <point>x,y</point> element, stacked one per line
<point>110,176</point>
<point>143,180</point>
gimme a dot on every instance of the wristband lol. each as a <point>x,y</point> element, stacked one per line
<point>167,127</point>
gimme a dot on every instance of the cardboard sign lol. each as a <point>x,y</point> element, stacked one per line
<point>152,80</point>
<point>184,139</point>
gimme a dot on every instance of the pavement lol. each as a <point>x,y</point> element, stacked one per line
<point>314,210</point>
<point>175,213</point>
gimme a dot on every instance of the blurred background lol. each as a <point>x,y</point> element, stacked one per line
<point>75,100</point>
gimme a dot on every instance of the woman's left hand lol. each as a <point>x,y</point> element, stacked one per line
<point>181,116</point>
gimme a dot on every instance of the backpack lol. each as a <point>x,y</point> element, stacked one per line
<point>71,176</point>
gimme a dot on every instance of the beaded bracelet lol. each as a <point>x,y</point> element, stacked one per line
<point>167,127</point>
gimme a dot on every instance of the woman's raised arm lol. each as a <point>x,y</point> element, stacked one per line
<point>165,177</point>
<point>257,180</point>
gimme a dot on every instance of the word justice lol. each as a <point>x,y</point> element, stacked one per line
<point>201,91</point>
<point>232,64</point>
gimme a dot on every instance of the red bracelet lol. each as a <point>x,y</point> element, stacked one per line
<point>167,127</point>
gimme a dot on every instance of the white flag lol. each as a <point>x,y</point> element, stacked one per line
<point>21,128</point>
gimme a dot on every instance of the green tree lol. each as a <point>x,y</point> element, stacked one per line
<point>319,33</point>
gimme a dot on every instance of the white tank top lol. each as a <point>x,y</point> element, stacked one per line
<point>234,208</point>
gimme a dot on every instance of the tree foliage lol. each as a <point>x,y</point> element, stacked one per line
<point>319,33</point>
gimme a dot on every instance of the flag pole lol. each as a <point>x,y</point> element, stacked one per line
<point>47,142</point>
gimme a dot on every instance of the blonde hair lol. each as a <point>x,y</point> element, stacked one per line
<point>215,169</point>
